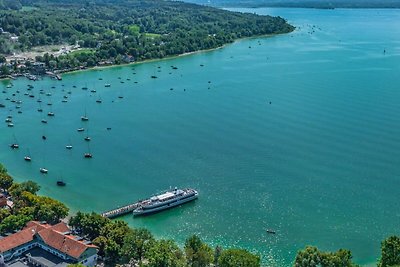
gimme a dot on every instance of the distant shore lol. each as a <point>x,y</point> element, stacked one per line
<point>161,59</point>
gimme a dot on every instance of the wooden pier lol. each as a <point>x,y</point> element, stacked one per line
<point>120,211</point>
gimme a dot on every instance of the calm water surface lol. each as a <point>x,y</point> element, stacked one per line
<point>299,133</point>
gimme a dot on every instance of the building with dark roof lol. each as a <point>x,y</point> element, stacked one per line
<point>38,241</point>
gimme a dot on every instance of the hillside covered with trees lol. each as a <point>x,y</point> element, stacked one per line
<point>115,30</point>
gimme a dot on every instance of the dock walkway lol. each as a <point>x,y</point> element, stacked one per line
<point>120,211</point>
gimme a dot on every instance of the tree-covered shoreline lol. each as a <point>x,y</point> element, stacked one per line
<point>129,31</point>
<point>120,245</point>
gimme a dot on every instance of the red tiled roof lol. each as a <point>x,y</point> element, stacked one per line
<point>52,235</point>
<point>39,225</point>
<point>60,227</point>
<point>64,243</point>
<point>17,239</point>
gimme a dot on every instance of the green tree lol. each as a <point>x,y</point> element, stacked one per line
<point>4,213</point>
<point>88,225</point>
<point>111,240</point>
<point>6,181</point>
<point>238,258</point>
<point>390,252</point>
<point>29,186</point>
<point>164,253</point>
<point>312,257</point>
<point>4,70</point>
<point>198,254</point>
<point>136,243</point>
<point>13,223</point>
<point>49,210</point>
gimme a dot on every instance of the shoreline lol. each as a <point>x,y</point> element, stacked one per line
<point>161,59</point>
<point>175,56</point>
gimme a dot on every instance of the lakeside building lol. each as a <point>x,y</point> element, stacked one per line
<point>42,244</point>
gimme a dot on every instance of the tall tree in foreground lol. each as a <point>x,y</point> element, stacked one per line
<point>164,253</point>
<point>136,243</point>
<point>6,181</point>
<point>238,258</point>
<point>198,254</point>
<point>390,248</point>
<point>312,257</point>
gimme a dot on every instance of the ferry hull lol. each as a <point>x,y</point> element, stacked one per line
<point>164,207</point>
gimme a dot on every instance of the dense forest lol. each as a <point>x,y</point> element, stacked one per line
<point>144,29</point>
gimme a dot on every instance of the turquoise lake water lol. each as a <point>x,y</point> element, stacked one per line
<point>299,133</point>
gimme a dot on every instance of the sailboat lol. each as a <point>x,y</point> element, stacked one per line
<point>88,155</point>
<point>69,146</point>
<point>99,100</point>
<point>85,117</point>
<point>61,183</point>
<point>15,144</point>
<point>28,157</point>
<point>40,109</point>
<point>87,138</point>
<point>43,170</point>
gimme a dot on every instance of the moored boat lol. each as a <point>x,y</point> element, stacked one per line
<point>168,199</point>
<point>43,170</point>
<point>61,183</point>
<point>14,146</point>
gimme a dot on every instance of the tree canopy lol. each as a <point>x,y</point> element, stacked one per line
<point>238,258</point>
<point>312,257</point>
<point>140,29</point>
<point>390,252</point>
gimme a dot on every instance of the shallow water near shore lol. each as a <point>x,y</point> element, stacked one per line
<point>299,133</point>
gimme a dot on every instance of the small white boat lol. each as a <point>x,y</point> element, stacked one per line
<point>43,170</point>
<point>14,146</point>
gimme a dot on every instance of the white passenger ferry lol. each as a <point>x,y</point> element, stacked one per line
<point>165,201</point>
